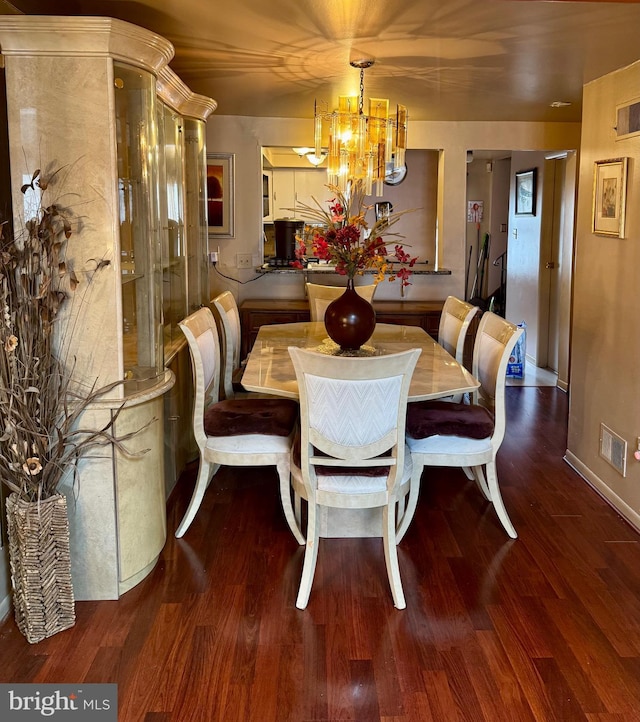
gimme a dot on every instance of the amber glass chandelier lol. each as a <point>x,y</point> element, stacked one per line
<point>362,147</point>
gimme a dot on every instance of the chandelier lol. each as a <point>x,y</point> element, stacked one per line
<point>362,147</point>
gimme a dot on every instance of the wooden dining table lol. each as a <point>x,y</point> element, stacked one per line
<point>269,368</point>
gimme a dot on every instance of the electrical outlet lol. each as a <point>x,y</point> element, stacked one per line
<point>243,260</point>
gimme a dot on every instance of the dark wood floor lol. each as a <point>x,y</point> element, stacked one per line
<point>546,627</point>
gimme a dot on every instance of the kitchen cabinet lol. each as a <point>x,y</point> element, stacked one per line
<point>291,187</point>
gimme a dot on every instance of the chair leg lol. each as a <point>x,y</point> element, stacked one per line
<point>310,555</point>
<point>498,504</point>
<point>391,556</point>
<point>297,508</point>
<point>284,472</point>
<point>468,472</point>
<point>477,475</point>
<point>206,471</point>
<point>414,490</point>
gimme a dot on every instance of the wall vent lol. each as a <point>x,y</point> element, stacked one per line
<point>613,448</point>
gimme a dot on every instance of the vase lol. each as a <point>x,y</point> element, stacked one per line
<point>350,319</point>
<point>40,565</point>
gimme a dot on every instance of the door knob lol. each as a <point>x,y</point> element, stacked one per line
<point>550,264</point>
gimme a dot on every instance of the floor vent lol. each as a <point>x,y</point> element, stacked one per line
<point>613,449</point>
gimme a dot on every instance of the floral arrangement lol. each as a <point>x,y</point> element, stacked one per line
<point>40,408</point>
<point>347,240</point>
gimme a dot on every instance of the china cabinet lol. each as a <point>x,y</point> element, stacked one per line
<point>94,97</point>
<point>183,234</point>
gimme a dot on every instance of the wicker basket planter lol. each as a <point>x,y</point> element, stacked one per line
<point>40,566</point>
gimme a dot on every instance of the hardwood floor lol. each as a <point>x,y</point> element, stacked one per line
<point>546,627</point>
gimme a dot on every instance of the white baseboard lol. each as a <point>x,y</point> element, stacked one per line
<point>5,607</point>
<point>603,490</point>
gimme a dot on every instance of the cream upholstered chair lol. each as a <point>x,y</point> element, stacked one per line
<point>351,452</point>
<point>320,297</point>
<point>245,432</point>
<point>231,369</point>
<point>454,324</point>
<point>467,435</point>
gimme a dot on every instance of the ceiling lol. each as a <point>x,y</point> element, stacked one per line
<point>443,59</point>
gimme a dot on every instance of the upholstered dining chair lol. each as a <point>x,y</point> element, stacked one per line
<point>231,369</point>
<point>467,435</point>
<point>320,297</point>
<point>454,323</point>
<point>234,432</point>
<point>351,452</point>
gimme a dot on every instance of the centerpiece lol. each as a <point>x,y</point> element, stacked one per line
<point>346,239</point>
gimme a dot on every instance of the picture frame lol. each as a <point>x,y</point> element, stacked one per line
<point>610,197</point>
<point>526,192</point>
<point>220,195</point>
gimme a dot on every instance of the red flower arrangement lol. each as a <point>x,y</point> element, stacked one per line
<point>346,240</point>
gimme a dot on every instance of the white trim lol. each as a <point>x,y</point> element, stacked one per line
<point>629,514</point>
<point>5,607</point>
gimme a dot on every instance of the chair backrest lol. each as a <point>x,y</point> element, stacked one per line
<point>227,311</point>
<point>204,347</point>
<point>352,411</point>
<point>494,344</point>
<point>454,323</point>
<point>320,297</point>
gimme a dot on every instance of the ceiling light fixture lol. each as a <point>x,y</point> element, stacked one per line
<point>362,147</point>
<point>310,154</point>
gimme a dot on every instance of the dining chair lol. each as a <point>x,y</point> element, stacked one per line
<point>454,323</point>
<point>467,435</point>
<point>234,432</point>
<point>351,451</point>
<point>320,296</point>
<point>231,368</point>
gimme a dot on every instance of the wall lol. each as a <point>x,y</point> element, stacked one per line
<point>244,136</point>
<point>605,385</point>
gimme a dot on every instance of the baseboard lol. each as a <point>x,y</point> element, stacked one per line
<point>5,607</point>
<point>621,507</point>
<point>563,385</point>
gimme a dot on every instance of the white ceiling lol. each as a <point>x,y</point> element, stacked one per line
<point>444,59</point>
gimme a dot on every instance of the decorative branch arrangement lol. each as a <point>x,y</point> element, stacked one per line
<point>41,432</point>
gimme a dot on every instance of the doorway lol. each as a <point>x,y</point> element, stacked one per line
<point>533,255</point>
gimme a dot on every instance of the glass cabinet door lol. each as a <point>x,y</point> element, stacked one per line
<point>196,214</point>
<point>171,200</point>
<point>135,108</point>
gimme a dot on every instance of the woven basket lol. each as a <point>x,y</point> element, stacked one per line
<point>40,566</point>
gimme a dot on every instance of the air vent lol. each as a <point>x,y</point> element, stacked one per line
<point>613,449</point>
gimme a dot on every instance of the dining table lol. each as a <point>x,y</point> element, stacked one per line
<point>269,370</point>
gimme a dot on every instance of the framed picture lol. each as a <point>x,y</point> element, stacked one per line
<point>220,200</point>
<point>526,190</point>
<point>609,197</point>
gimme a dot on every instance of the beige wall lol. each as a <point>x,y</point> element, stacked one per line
<point>605,343</point>
<point>244,136</point>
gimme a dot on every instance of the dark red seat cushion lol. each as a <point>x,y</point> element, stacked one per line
<point>234,417</point>
<point>433,418</point>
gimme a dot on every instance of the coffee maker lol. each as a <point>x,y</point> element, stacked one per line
<point>286,230</point>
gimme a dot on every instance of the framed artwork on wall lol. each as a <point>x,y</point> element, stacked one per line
<point>220,194</point>
<point>526,190</point>
<point>609,197</point>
